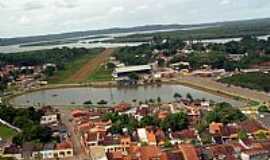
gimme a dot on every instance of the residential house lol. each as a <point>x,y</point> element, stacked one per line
<point>255,154</point>
<point>189,152</point>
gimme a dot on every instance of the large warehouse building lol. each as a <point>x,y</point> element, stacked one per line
<point>122,72</point>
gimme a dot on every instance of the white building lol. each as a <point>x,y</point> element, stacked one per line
<point>49,119</point>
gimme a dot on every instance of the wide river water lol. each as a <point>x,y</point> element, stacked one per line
<point>77,96</point>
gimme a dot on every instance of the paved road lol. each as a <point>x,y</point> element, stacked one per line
<point>209,84</point>
<point>78,152</point>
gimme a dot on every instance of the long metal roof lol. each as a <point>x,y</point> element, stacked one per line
<point>132,68</point>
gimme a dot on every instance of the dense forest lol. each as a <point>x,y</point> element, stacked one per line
<point>28,120</point>
<point>57,56</point>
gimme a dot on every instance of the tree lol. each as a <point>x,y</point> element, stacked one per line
<point>224,113</point>
<point>176,121</point>
<point>148,121</point>
<point>242,135</point>
<point>102,102</point>
<point>177,96</point>
<point>133,76</point>
<point>89,102</point>
<point>263,108</point>
<point>167,144</point>
<point>158,100</point>
<point>110,66</point>
<point>189,96</point>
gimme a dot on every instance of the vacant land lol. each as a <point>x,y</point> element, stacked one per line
<point>101,74</point>
<point>259,81</point>
<point>5,132</point>
<point>90,67</point>
<point>63,76</point>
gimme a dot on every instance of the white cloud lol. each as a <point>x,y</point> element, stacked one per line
<point>33,5</point>
<point>116,9</point>
<point>2,5</point>
<point>225,2</point>
<point>65,3</point>
<point>31,17</point>
<point>24,20</point>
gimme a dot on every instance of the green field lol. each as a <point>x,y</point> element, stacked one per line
<point>101,74</point>
<point>72,67</point>
<point>259,81</point>
<point>6,132</point>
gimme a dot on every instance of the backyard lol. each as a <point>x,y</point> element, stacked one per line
<point>6,133</point>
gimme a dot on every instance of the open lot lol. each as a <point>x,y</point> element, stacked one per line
<point>90,67</point>
<point>101,74</point>
<point>5,132</point>
<point>72,68</point>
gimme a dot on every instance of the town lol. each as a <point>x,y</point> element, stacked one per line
<point>197,91</point>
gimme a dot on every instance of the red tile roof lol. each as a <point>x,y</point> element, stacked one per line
<point>189,152</point>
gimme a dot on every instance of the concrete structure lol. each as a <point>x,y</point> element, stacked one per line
<point>124,71</point>
<point>49,119</point>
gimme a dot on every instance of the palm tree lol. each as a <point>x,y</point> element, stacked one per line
<point>189,96</point>
<point>177,96</point>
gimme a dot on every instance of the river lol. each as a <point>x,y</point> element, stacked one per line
<point>68,96</point>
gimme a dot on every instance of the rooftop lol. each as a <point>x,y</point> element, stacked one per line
<point>132,68</point>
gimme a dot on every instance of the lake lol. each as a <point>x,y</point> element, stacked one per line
<point>92,42</point>
<point>67,96</point>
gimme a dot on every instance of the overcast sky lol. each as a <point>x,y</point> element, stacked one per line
<point>33,17</point>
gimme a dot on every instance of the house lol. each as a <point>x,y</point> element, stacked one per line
<point>151,138</point>
<point>111,144</point>
<point>251,126</point>
<point>122,107</point>
<point>49,119</point>
<point>180,65</point>
<point>90,139</point>
<point>255,154</point>
<point>97,153</point>
<point>186,135</point>
<point>189,152</point>
<point>51,151</point>
<point>160,136</point>
<point>236,57</point>
<point>222,151</point>
<point>142,134</point>
<point>216,128</point>
<point>149,153</point>
<point>12,151</point>
<point>64,150</point>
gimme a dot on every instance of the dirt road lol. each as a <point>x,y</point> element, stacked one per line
<point>91,66</point>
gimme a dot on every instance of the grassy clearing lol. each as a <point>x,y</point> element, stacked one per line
<point>6,132</point>
<point>259,81</point>
<point>101,74</point>
<point>70,69</point>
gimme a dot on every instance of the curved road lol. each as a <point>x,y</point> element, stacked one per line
<point>211,85</point>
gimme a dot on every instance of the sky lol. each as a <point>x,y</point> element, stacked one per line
<point>39,17</point>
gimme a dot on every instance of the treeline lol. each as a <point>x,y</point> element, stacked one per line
<point>218,30</point>
<point>174,122</point>
<point>139,55</point>
<point>28,120</point>
<point>57,56</point>
<point>143,54</point>
<point>259,81</point>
